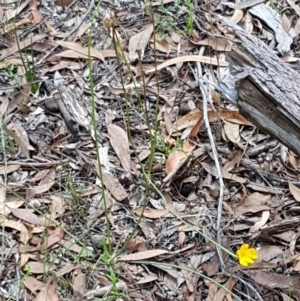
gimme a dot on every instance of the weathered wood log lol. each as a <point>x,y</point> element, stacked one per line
<point>268,90</point>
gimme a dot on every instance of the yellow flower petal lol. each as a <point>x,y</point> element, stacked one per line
<point>244,247</point>
<point>252,253</point>
<point>243,261</point>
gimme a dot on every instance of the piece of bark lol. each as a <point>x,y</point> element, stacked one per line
<point>268,90</point>
<point>72,125</point>
<point>271,18</point>
<point>242,5</point>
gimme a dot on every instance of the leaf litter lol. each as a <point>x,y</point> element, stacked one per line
<point>52,193</point>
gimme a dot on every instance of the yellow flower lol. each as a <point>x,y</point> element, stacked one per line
<point>245,255</point>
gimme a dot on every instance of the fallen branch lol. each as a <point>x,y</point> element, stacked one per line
<point>268,90</point>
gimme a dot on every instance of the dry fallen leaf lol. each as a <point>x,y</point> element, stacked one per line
<point>21,45</point>
<point>235,157</point>
<point>4,105</point>
<point>196,128</point>
<point>161,45</point>
<point>177,156</point>
<point>188,120</point>
<point>63,3</point>
<point>275,280</point>
<point>143,255</point>
<point>29,216</point>
<point>262,222</point>
<point>136,244</point>
<point>211,169</point>
<point>39,267</point>
<point>37,16</point>
<point>237,16</point>
<point>82,50</point>
<point>54,237</point>
<point>189,58</point>
<point>68,64</point>
<point>48,292</point>
<point>231,116</point>
<point>286,23</point>
<point>44,186</point>
<point>295,191</point>
<point>21,97</point>
<point>20,137</point>
<point>181,238</point>
<point>220,295</point>
<point>33,284</point>
<point>176,37</point>
<point>147,279</point>
<point>76,55</point>
<point>79,284</point>
<point>7,204</point>
<point>57,206</point>
<point>295,6</point>
<point>232,132</point>
<point>66,269</point>
<point>218,44</point>
<point>12,13</point>
<point>112,184</point>
<point>138,43</point>
<point>268,252</point>
<point>194,116</point>
<point>8,169</point>
<point>17,225</point>
<point>151,213</point>
<point>119,141</point>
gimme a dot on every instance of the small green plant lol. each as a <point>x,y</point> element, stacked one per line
<point>164,25</point>
<point>7,143</point>
<point>29,68</point>
<point>30,72</point>
<point>10,71</point>
<point>189,27</point>
<point>106,259</point>
<point>166,19</point>
<point>163,146</point>
<point>27,270</point>
<point>84,253</point>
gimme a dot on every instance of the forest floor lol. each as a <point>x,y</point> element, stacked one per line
<point>124,173</point>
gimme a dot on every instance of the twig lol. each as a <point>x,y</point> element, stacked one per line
<point>216,159</point>
<point>72,31</point>
<point>249,286</point>
<point>37,164</point>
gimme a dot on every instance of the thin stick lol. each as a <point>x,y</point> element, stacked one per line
<point>216,158</point>
<point>37,164</point>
